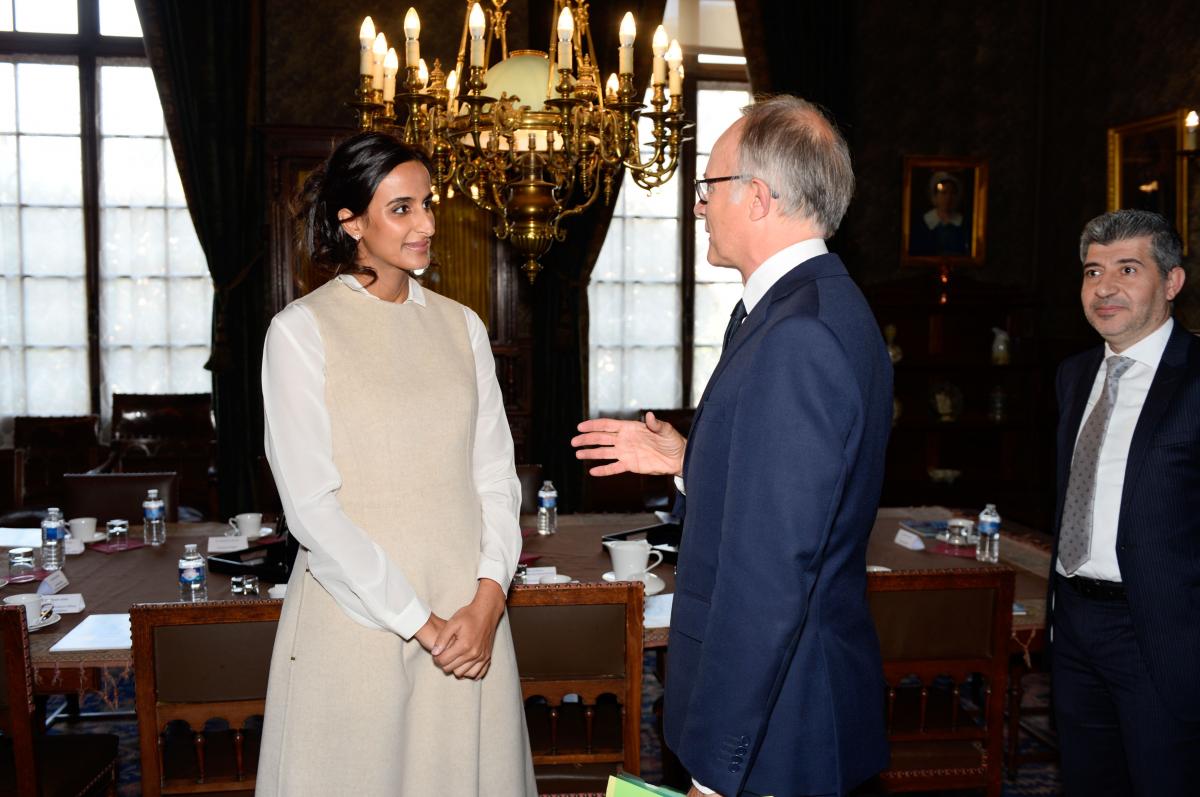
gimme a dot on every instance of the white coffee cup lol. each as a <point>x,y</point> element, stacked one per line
<point>631,559</point>
<point>247,524</point>
<point>37,608</point>
<point>83,528</point>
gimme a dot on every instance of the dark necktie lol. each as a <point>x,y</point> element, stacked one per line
<point>1075,539</point>
<point>735,320</point>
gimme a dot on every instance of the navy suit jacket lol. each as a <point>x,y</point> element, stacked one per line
<point>1158,531</point>
<point>774,680</point>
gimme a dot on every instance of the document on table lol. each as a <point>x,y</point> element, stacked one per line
<point>98,632</point>
<point>658,610</point>
<point>20,538</point>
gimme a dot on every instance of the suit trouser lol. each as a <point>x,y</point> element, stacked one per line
<point>1116,733</point>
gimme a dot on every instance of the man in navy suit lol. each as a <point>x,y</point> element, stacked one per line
<point>774,682</point>
<point>1125,586</point>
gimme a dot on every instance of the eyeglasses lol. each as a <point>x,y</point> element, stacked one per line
<point>702,185</point>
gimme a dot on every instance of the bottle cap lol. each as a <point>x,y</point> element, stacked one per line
<point>152,493</point>
<point>190,548</point>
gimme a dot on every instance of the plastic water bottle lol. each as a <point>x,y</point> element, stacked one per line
<point>193,575</point>
<point>547,509</point>
<point>988,547</point>
<point>54,533</point>
<point>154,523</point>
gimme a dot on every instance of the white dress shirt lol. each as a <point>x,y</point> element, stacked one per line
<point>1110,474</point>
<point>761,280</point>
<point>356,572</point>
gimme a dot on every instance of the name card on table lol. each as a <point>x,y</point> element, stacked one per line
<point>53,583</point>
<point>227,544</point>
<point>906,539</point>
<point>658,610</point>
<point>67,603</point>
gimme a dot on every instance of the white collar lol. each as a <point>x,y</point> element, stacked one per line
<point>1149,350</point>
<point>778,264</point>
<point>932,220</point>
<point>416,294</point>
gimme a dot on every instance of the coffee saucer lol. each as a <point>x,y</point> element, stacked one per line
<point>49,621</point>
<point>654,584</point>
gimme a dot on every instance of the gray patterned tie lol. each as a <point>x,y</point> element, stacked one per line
<point>1075,539</point>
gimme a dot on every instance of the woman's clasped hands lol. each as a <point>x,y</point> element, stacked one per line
<point>462,645</point>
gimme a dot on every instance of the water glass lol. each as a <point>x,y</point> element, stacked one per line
<point>21,565</point>
<point>118,534</point>
<point>250,585</point>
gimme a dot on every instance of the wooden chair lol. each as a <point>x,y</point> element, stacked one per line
<point>944,637</point>
<point>107,496</point>
<point>172,431</point>
<point>32,763</point>
<point>194,663</point>
<point>583,640</point>
<point>44,448</point>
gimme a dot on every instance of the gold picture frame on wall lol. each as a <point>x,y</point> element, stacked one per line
<point>1145,170</point>
<point>944,215</point>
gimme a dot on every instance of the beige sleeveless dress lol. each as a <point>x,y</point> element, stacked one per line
<point>360,711</point>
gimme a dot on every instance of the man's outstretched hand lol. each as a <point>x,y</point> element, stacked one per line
<point>652,447</point>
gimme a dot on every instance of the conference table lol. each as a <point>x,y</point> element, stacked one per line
<point>111,583</point>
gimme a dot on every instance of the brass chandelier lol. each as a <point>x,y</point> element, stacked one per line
<point>536,148</point>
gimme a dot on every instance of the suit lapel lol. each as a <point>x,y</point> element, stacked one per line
<point>1162,390</point>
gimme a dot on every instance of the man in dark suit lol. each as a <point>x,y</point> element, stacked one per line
<point>774,682</point>
<point>1125,586</point>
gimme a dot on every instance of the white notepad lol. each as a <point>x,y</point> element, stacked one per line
<point>98,632</point>
<point>20,538</point>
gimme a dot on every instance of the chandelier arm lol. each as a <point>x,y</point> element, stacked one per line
<point>575,211</point>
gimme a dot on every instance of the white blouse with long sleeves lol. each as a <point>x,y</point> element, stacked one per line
<point>368,586</point>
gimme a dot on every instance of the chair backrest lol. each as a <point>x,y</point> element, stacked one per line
<point>173,432</point>
<point>45,448</point>
<point>531,482</point>
<point>944,636</point>
<point>166,416</point>
<point>581,640</point>
<point>108,496</point>
<point>195,662</point>
<point>16,696</point>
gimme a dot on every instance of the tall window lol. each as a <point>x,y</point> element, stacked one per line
<point>103,285</point>
<point>651,291</point>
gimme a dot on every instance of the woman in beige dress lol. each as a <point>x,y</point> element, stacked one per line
<point>393,671</point>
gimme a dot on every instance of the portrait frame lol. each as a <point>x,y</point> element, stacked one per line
<point>1145,170</point>
<point>929,236</point>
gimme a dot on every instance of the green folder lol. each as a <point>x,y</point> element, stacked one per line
<point>625,785</point>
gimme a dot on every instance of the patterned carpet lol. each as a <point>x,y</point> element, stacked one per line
<point>1035,780</point>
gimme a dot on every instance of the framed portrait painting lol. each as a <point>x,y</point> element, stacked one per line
<point>944,216</point>
<point>1145,171</point>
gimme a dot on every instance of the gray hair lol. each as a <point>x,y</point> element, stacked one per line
<point>789,144</point>
<point>1121,225</point>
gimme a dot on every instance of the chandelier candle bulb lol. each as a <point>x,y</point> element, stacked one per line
<point>412,32</point>
<point>366,37</point>
<point>1191,131</point>
<point>566,29</point>
<point>476,24</point>
<point>628,33</point>
<point>380,52</point>
<point>423,73</point>
<point>391,65</point>
<point>675,62</point>
<point>659,44</point>
<point>452,101</point>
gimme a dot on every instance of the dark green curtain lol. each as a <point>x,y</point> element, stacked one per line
<point>801,47</point>
<point>207,61</point>
<point>560,306</point>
